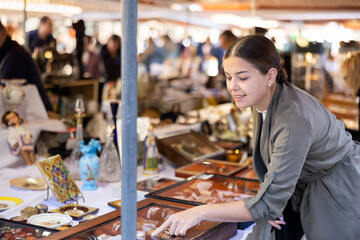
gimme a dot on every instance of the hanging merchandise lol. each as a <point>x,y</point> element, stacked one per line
<point>110,169</point>
<point>89,164</point>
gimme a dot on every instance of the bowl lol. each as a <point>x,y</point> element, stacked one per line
<point>234,155</point>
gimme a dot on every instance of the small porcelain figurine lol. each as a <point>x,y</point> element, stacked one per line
<point>19,138</point>
<point>150,153</point>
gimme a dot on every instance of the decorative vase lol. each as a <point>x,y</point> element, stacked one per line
<point>14,94</point>
<point>72,162</point>
<point>89,165</point>
<point>110,170</point>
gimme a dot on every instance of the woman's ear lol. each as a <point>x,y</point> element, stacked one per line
<point>271,76</point>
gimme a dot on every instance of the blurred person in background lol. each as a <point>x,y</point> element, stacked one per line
<point>171,49</point>
<point>226,39</point>
<point>350,69</point>
<point>40,40</point>
<point>110,55</point>
<point>90,58</point>
<point>153,54</point>
<point>16,62</point>
<point>79,27</point>
<point>42,37</point>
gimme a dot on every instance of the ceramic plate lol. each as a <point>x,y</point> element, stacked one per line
<point>9,202</point>
<point>50,220</point>
<point>29,183</point>
<point>76,211</point>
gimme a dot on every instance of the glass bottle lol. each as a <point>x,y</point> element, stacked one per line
<point>110,165</point>
<point>72,162</point>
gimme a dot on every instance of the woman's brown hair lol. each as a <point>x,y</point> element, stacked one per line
<point>260,52</point>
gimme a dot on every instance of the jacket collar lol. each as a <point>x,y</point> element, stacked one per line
<point>261,135</point>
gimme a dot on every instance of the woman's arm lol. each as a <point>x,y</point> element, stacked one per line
<point>180,222</point>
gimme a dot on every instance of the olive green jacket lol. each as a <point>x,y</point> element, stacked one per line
<point>303,152</point>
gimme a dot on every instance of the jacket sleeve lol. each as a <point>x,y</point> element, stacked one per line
<point>290,141</point>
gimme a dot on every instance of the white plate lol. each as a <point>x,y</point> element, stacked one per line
<point>50,220</point>
<point>5,204</point>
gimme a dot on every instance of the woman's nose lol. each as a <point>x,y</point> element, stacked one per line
<point>233,85</point>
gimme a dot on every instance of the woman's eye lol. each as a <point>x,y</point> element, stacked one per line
<point>228,78</point>
<point>243,78</point>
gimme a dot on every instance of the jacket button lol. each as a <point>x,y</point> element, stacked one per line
<point>272,174</point>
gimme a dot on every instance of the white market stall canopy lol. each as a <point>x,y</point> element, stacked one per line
<point>199,10</point>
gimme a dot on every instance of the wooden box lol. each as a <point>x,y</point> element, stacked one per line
<point>150,213</point>
<point>209,166</point>
<point>207,189</point>
<point>187,146</point>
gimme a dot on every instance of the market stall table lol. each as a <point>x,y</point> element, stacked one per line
<point>99,198</point>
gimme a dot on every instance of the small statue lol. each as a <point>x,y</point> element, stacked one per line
<point>19,138</point>
<point>150,153</point>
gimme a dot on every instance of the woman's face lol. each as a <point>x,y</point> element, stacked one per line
<point>247,85</point>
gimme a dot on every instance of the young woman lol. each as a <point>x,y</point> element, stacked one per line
<point>302,155</point>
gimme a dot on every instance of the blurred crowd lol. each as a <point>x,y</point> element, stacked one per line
<point>162,58</point>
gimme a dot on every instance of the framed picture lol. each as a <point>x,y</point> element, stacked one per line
<point>187,146</point>
<point>151,213</point>
<point>59,179</point>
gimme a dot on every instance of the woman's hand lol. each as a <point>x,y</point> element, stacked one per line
<point>180,222</point>
<point>276,223</point>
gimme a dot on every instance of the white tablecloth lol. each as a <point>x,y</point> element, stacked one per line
<point>35,127</point>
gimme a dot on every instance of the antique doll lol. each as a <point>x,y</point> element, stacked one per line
<point>19,138</point>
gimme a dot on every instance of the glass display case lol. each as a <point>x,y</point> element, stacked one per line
<point>248,173</point>
<point>151,214</point>
<point>17,230</point>
<point>209,166</point>
<point>187,146</point>
<point>207,189</point>
<point>156,183</point>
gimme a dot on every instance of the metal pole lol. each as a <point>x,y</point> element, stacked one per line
<point>129,117</point>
